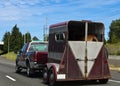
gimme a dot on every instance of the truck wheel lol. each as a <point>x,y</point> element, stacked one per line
<point>45,75</point>
<point>52,80</point>
<point>17,69</point>
<point>103,81</point>
<point>29,71</point>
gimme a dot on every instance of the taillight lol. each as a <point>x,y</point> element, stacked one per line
<point>35,57</point>
<point>40,57</point>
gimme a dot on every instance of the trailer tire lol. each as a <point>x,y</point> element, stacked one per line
<point>103,81</point>
<point>52,80</point>
<point>106,52</point>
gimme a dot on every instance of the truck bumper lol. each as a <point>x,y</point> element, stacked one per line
<point>36,66</point>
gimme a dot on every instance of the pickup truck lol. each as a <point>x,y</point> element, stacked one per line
<point>33,56</point>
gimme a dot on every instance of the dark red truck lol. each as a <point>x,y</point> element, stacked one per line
<point>33,56</point>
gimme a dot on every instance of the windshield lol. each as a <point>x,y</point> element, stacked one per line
<point>43,47</point>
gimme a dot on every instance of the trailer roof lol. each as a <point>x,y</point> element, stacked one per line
<point>71,21</point>
<point>58,24</point>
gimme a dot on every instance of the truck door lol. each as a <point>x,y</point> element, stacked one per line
<point>22,56</point>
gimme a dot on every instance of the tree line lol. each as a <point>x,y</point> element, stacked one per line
<point>114,32</point>
<point>14,40</point>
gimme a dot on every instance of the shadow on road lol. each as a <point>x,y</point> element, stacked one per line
<point>34,75</point>
<point>78,83</point>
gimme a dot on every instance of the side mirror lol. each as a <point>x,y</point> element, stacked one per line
<point>17,52</point>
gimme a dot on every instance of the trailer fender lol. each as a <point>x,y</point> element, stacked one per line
<point>54,66</point>
<point>52,73</point>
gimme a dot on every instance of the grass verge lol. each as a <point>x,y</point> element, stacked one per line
<point>10,56</point>
<point>113,67</point>
<point>113,49</point>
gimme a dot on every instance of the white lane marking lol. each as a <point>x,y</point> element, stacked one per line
<point>116,81</point>
<point>10,78</point>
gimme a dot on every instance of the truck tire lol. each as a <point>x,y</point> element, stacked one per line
<point>17,69</point>
<point>29,71</point>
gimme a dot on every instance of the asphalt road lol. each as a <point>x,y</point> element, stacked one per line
<point>8,77</point>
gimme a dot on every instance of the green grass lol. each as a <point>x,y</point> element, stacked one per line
<point>1,51</point>
<point>113,49</point>
<point>10,56</point>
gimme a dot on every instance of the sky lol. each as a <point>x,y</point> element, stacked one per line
<point>33,15</point>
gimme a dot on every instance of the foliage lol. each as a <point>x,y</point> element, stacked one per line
<point>35,38</point>
<point>27,37</point>
<point>46,37</point>
<point>114,34</point>
<point>15,39</point>
<point>6,40</point>
<point>113,49</point>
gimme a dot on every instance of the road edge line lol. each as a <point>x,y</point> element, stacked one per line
<point>114,81</point>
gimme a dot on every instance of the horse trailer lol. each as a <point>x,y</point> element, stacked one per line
<point>76,52</point>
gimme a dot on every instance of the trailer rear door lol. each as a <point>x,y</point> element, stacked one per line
<point>85,62</point>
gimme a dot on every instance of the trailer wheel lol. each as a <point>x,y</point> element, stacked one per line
<point>45,75</point>
<point>106,52</point>
<point>103,81</point>
<point>52,81</point>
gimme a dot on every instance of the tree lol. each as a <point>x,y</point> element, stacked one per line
<point>35,38</point>
<point>6,40</point>
<point>27,37</point>
<point>114,33</point>
<point>46,37</point>
<point>16,39</point>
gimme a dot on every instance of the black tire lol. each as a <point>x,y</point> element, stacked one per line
<point>17,68</point>
<point>29,71</point>
<point>103,81</point>
<point>52,77</point>
<point>106,52</point>
<point>45,75</point>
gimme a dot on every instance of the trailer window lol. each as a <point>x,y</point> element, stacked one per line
<point>60,37</point>
<point>77,31</point>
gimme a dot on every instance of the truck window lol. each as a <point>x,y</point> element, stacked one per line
<point>43,47</point>
<point>24,48</point>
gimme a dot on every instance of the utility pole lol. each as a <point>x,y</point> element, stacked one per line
<point>8,42</point>
<point>45,31</point>
<point>24,39</point>
<point>46,25</point>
